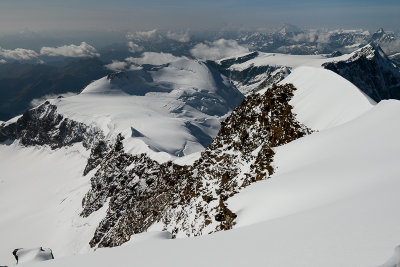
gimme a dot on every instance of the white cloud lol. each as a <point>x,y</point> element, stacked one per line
<point>18,54</point>
<point>180,37</point>
<point>391,47</point>
<point>323,38</point>
<point>82,50</point>
<point>2,61</point>
<point>154,58</point>
<point>133,48</point>
<point>218,49</point>
<point>37,101</point>
<point>117,65</point>
<point>305,37</point>
<point>151,58</point>
<point>143,36</point>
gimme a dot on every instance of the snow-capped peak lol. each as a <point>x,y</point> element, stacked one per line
<point>369,51</point>
<point>176,107</point>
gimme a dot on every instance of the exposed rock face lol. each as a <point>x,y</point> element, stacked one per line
<point>371,71</point>
<point>274,78</point>
<point>253,78</point>
<point>44,126</point>
<point>191,200</point>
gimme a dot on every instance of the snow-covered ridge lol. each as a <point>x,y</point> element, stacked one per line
<point>324,99</point>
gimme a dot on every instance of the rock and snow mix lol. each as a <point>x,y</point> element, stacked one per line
<point>331,199</point>
<point>191,200</point>
<point>324,206</point>
<point>368,68</point>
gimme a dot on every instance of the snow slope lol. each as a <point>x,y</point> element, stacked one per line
<point>324,99</point>
<point>175,108</point>
<point>332,202</point>
<point>41,192</point>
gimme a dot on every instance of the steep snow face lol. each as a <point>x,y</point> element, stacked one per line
<point>335,207</point>
<point>324,99</point>
<point>174,108</point>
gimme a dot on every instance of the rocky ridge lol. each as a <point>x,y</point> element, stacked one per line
<point>190,200</point>
<point>43,125</point>
<point>253,78</point>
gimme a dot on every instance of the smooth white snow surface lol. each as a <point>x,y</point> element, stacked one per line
<point>324,99</point>
<point>41,192</point>
<point>333,201</point>
<point>149,236</point>
<point>394,261</point>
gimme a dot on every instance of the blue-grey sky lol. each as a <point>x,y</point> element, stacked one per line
<point>38,15</point>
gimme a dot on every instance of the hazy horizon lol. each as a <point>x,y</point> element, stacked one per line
<point>140,15</point>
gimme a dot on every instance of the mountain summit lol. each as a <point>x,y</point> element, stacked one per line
<point>370,70</point>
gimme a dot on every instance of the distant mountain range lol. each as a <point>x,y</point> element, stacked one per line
<point>293,40</point>
<point>20,83</point>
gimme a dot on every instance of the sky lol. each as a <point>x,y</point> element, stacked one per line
<point>120,15</point>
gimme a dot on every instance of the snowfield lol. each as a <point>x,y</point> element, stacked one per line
<point>41,192</point>
<point>167,112</point>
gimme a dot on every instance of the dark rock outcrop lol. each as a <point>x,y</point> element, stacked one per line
<point>43,125</point>
<point>252,78</point>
